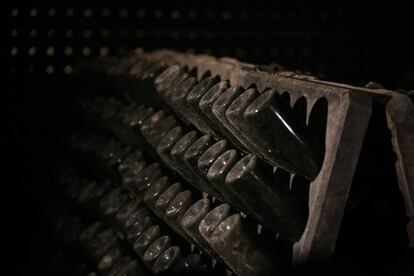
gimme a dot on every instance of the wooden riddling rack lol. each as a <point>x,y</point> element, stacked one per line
<point>348,114</point>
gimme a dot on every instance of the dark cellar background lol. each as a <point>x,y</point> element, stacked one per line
<point>344,41</point>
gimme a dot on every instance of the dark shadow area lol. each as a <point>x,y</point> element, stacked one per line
<point>373,235</point>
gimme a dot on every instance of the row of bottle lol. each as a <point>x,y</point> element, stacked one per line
<point>90,249</point>
<point>221,170</point>
<point>218,159</point>
<point>216,229</point>
<point>260,122</point>
<point>127,229</point>
<point>252,185</point>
